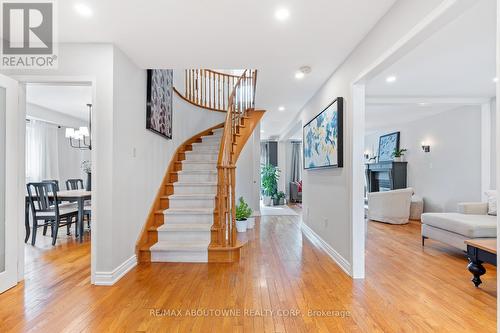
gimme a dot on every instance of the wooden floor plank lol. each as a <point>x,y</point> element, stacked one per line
<point>407,288</point>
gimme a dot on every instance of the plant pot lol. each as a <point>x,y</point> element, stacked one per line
<point>398,159</point>
<point>250,222</point>
<point>89,182</point>
<point>267,200</point>
<point>276,202</point>
<point>241,225</point>
<point>282,201</point>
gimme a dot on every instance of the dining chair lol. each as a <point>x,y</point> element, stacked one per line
<point>57,189</point>
<point>74,184</point>
<point>77,184</point>
<point>46,207</point>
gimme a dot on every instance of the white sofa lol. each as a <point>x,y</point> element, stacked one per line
<point>390,206</point>
<point>471,221</point>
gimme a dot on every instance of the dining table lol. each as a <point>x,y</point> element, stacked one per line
<point>78,196</point>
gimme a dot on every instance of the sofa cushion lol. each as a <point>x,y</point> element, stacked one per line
<point>492,202</point>
<point>472,226</point>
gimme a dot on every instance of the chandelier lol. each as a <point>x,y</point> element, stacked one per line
<point>81,138</point>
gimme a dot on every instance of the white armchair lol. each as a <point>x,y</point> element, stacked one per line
<point>390,206</point>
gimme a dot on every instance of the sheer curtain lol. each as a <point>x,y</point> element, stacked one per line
<point>296,167</point>
<point>42,156</point>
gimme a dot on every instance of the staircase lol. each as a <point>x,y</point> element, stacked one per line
<point>186,233</point>
<point>193,216</point>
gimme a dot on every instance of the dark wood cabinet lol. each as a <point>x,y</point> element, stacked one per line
<point>385,176</point>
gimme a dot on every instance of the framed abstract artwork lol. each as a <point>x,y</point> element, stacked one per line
<point>159,101</point>
<point>323,138</point>
<point>386,146</point>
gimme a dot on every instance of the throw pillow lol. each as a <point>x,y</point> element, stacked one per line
<point>492,202</point>
<point>299,188</point>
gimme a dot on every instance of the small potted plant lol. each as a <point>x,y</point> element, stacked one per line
<point>87,168</point>
<point>399,154</point>
<point>269,179</point>
<point>248,213</point>
<point>279,199</point>
<point>241,216</point>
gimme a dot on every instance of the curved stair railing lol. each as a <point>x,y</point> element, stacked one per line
<point>240,101</point>
<point>212,90</point>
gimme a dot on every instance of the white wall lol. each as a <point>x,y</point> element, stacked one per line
<point>451,171</point>
<point>248,171</point>
<point>493,178</point>
<point>326,193</point>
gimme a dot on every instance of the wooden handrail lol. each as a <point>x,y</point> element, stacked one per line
<point>212,90</point>
<point>240,101</point>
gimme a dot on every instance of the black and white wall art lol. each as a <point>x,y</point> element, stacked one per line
<point>159,101</point>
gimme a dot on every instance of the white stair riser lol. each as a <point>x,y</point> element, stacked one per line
<point>189,218</point>
<point>211,140</point>
<point>202,157</point>
<point>197,177</point>
<point>193,189</point>
<point>205,149</point>
<point>199,166</point>
<point>184,236</point>
<point>191,203</point>
<point>179,256</point>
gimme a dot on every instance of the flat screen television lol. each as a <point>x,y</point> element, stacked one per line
<point>323,138</point>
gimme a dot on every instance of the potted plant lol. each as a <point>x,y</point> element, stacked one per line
<point>241,216</point>
<point>269,179</point>
<point>279,199</point>
<point>398,154</point>
<point>248,213</point>
<point>87,168</point>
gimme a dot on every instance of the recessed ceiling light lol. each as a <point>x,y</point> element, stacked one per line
<point>390,79</point>
<point>299,75</point>
<point>282,14</point>
<point>495,79</point>
<point>83,10</point>
<point>302,72</point>
<point>281,108</point>
<point>423,104</point>
<point>262,131</point>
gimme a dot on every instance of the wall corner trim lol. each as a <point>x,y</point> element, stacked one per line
<point>110,278</point>
<point>320,242</point>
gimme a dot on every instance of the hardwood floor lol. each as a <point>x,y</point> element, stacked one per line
<point>407,288</point>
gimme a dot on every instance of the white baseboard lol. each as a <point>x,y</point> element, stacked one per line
<point>110,278</point>
<point>318,241</point>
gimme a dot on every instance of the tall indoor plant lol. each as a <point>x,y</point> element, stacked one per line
<point>269,179</point>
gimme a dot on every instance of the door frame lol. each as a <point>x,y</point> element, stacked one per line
<point>12,180</point>
<point>23,80</point>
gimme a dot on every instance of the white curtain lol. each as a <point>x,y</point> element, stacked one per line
<point>42,155</point>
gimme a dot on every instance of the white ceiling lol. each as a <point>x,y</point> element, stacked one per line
<point>386,115</point>
<point>458,60</point>
<point>70,99</point>
<point>233,34</point>
<point>456,63</point>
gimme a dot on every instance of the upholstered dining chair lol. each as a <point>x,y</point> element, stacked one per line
<point>46,208</point>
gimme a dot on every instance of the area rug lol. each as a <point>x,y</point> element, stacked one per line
<point>277,211</point>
